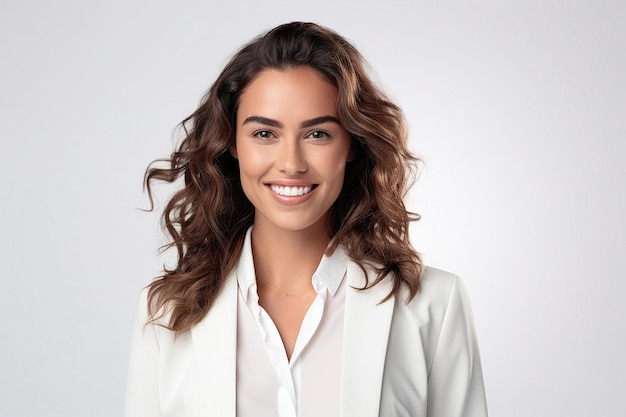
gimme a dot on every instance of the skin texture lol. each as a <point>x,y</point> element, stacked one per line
<point>288,135</point>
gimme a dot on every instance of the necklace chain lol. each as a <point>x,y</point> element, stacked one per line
<point>286,294</point>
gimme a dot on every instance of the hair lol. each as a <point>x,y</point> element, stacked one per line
<point>209,216</point>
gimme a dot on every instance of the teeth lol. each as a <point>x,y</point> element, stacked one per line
<point>291,191</point>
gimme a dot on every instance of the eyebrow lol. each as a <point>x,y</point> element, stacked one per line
<point>275,123</point>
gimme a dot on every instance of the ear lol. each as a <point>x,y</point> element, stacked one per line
<point>353,150</point>
<point>351,155</point>
<point>233,151</point>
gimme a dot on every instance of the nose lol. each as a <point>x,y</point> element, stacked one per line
<point>291,159</point>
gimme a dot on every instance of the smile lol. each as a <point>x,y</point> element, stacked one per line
<point>291,191</point>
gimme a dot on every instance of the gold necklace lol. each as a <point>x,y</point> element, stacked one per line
<point>281,291</point>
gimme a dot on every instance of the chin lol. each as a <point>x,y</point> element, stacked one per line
<point>295,223</point>
<point>294,226</point>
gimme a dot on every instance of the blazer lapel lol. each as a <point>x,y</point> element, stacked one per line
<point>366,332</point>
<point>215,343</point>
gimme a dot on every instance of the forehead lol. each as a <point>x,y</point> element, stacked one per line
<point>296,93</point>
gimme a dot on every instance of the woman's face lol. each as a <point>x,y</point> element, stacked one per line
<point>292,151</point>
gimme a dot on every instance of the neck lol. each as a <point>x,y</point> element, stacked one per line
<point>287,259</point>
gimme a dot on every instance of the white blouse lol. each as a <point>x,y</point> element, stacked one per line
<point>268,384</point>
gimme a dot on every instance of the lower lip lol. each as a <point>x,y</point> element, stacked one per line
<point>291,200</point>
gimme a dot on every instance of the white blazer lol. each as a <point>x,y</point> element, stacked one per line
<point>418,359</point>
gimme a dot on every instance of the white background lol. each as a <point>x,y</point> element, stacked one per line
<point>517,107</point>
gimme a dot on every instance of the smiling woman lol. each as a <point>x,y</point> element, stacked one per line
<point>296,144</point>
<point>297,291</point>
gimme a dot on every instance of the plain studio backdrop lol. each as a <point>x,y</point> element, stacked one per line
<point>517,108</point>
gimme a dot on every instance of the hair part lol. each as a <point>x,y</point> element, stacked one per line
<point>208,218</point>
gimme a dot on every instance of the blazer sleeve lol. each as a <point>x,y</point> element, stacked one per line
<point>142,391</point>
<point>455,378</point>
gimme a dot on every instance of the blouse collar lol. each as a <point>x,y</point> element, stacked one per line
<point>329,273</point>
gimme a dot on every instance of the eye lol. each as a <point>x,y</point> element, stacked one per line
<point>263,134</point>
<point>318,135</point>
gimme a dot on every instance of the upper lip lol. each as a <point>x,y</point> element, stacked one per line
<point>283,183</point>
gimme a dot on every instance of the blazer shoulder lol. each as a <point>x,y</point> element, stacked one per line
<point>436,286</point>
<point>155,325</point>
<point>426,313</point>
<point>429,306</point>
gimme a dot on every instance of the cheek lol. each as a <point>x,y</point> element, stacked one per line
<point>333,169</point>
<point>334,164</point>
<point>251,162</point>
<point>338,168</point>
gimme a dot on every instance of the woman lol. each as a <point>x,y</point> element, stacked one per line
<point>297,291</point>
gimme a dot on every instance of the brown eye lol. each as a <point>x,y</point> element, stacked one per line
<point>263,134</point>
<point>318,135</point>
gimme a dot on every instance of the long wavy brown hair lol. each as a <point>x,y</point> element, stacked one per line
<point>208,218</point>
